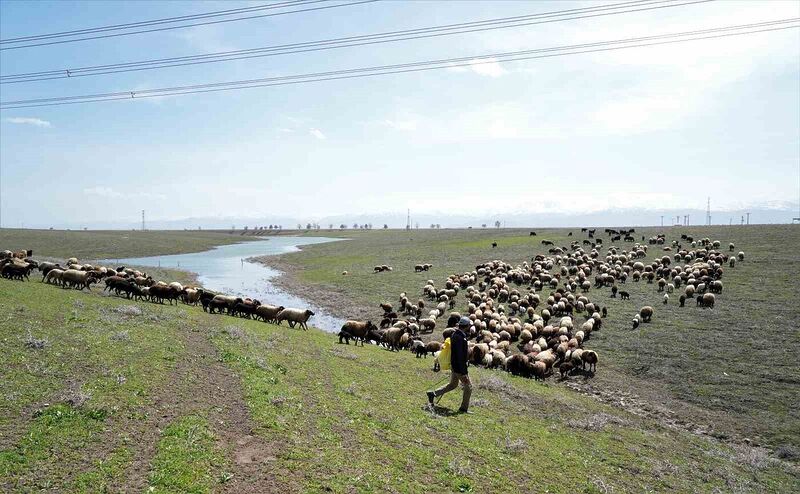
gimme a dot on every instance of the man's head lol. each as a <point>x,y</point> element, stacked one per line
<point>464,323</point>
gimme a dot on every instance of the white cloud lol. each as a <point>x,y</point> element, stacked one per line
<point>482,66</point>
<point>285,130</point>
<point>37,122</point>
<point>109,193</point>
<point>400,124</point>
<point>318,134</point>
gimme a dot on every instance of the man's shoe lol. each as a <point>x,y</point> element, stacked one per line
<point>461,410</point>
<point>431,396</point>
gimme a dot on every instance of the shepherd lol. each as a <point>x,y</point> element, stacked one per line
<point>458,366</point>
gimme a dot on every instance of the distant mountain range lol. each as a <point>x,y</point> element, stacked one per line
<point>769,213</point>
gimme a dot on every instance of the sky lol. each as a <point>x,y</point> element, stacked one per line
<point>645,128</point>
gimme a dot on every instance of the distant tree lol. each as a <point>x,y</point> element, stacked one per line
<point>438,226</point>
<point>342,227</point>
<point>355,225</point>
<point>416,225</point>
<point>330,226</point>
<point>433,225</point>
<point>385,226</point>
<point>369,225</point>
<point>497,224</point>
<point>308,226</point>
<point>483,225</point>
<point>245,228</point>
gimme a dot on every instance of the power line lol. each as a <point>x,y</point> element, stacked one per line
<point>114,27</point>
<point>220,21</point>
<point>599,46</point>
<point>367,39</point>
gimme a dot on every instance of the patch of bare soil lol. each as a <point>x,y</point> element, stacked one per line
<point>334,301</point>
<point>201,383</point>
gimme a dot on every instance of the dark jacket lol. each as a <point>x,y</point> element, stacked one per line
<point>458,352</point>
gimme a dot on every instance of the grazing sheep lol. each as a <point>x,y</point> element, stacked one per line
<point>636,321</point>
<point>666,298</point>
<point>345,273</point>
<point>707,300</point>
<point>624,295</point>
<point>740,256</point>
<point>294,316</point>
<point>418,348</point>
<point>433,347</point>
<point>646,312</point>
<point>682,300</point>
<point>158,293</point>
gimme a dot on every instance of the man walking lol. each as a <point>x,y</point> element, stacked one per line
<point>458,366</point>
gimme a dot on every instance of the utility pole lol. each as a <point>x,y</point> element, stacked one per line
<point>662,220</point>
<point>408,220</point>
<point>748,218</point>
<point>142,219</point>
<point>742,219</point>
<point>687,220</point>
<point>708,212</point>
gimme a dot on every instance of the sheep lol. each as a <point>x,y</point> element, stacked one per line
<point>345,273</point>
<point>590,357</point>
<point>433,347</point>
<point>158,293</point>
<point>177,286</point>
<point>190,296</point>
<point>666,298</point>
<point>357,330</point>
<point>268,313</point>
<point>418,348</point>
<point>15,271</point>
<point>646,312</point>
<point>740,256</point>
<point>624,295</point>
<point>294,316</point>
<point>72,278</point>
<point>636,321</point>
<point>707,300</point>
<point>682,300</point>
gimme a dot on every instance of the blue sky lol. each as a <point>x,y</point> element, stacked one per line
<point>657,127</point>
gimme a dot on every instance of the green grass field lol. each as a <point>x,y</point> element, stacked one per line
<point>113,244</point>
<point>136,397</point>
<point>731,371</point>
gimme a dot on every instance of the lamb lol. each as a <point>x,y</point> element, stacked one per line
<point>357,330</point>
<point>740,256</point>
<point>682,300</point>
<point>624,295</point>
<point>268,313</point>
<point>666,298</point>
<point>646,312</point>
<point>295,316</point>
<point>345,273</point>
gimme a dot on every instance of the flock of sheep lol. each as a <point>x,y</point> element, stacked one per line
<point>137,285</point>
<point>517,328</point>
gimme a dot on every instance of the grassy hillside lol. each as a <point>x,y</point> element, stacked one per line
<point>730,371</point>
<point>113,244</point>
<point>104,395</point>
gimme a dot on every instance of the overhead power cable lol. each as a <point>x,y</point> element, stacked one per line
<point>166,20</point>
<point>219,21</point>
<point>360,40</point>
<point>448,63</point>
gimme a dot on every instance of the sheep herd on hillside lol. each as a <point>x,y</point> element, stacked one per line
<point>137,285</point>
<point>515,327</point>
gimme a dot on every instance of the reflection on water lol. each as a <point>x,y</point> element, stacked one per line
<point>225,269</point>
